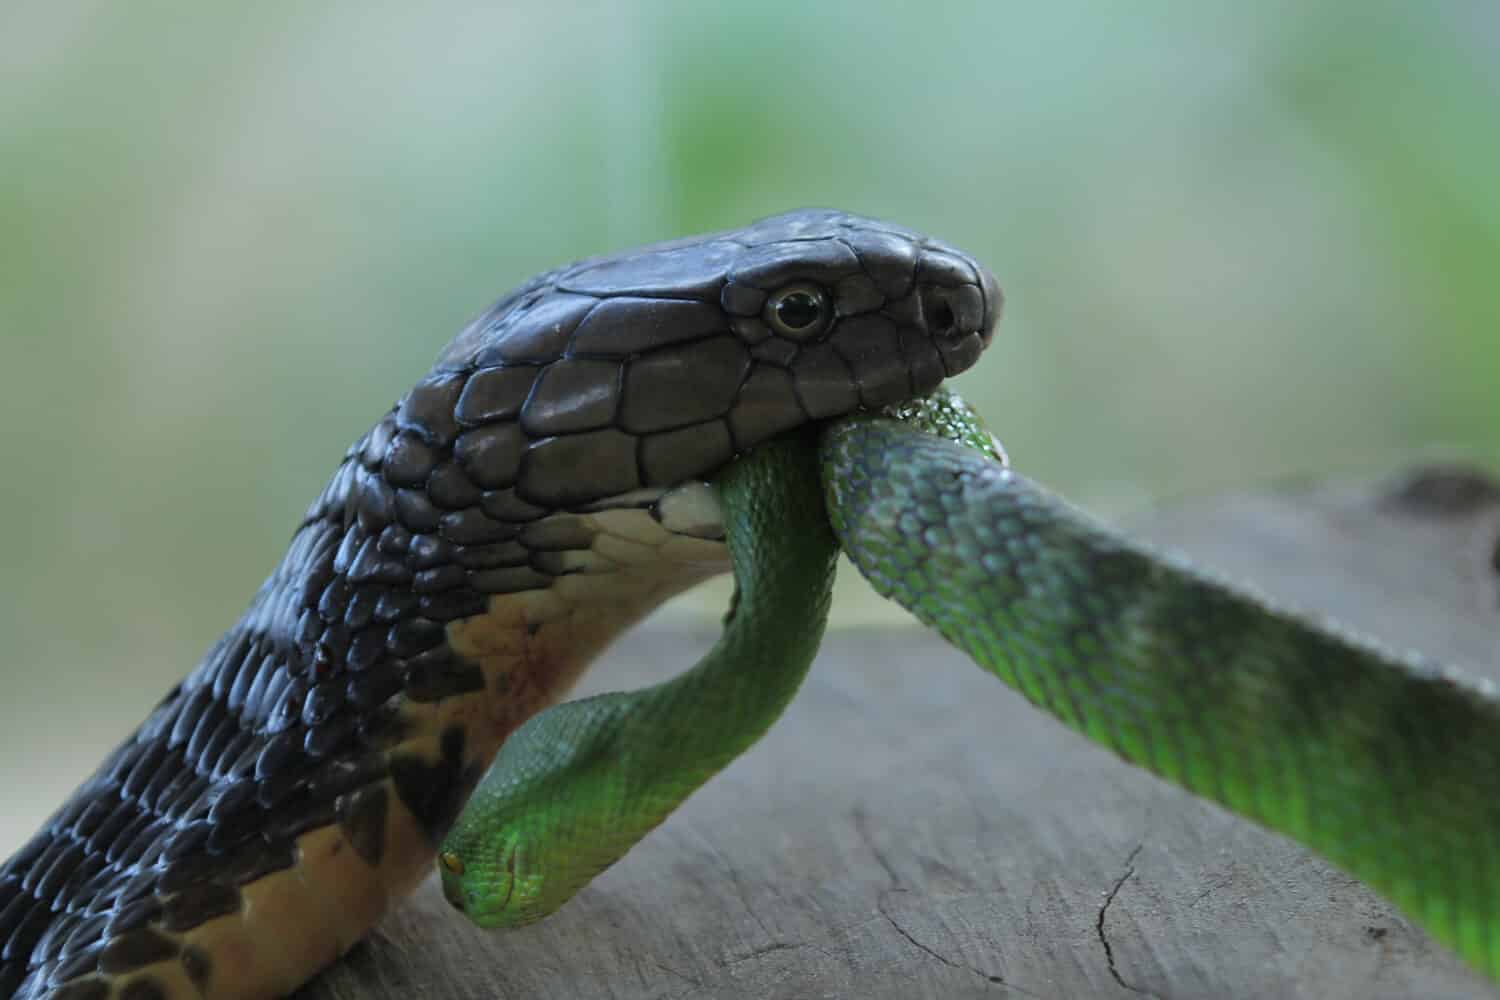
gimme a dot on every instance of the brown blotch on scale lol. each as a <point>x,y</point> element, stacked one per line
<point>432,678</point>
<point>145,988</point>
<point>138,948</point>
<point>198,965</point>
<point>435,792</point>
<point>362,816</point>
<point>198,905</point>
<point>82,989</point>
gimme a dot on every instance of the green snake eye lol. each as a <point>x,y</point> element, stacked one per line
<point>452,862</point>
<point>799,311</point>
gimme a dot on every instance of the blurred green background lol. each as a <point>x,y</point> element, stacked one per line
<point>1240,242</point>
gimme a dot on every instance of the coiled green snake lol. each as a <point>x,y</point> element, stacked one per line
<point>544,486</point>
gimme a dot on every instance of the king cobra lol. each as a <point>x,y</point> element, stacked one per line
<point>538,491</point>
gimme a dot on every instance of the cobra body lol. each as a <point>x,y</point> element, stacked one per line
<point>537,492</point>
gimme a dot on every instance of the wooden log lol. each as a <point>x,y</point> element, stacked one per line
<point>912,828</point>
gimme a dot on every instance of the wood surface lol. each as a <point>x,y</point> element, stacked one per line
<point>912,828</point>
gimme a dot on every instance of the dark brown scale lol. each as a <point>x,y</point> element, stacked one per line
<point>145,763</point>
<point>439,674</point>
<point>213,716</point>
<point>132,915</point>
<point>332,736</point>
<point>376,503</point>
<point>362,816</point>
<point>198,904</point>
<point>365,649</point>
<point>346,775</point>
<point>777,264</point>
<point>273,675</point>
<point>44,862</point>
<point>450,489</point>
<point>62,866</point>
<point>665,456</point>
<point>551,563</point>
<point>50,946</point>
<point>375,686</point>
<point>198,966</point>
<point>349,548</point>
<point>544,478</point>
<point>144,988</point>
<point>415,511</point>
<point>89,868</point>
<point>75,964</point>
<point>659,394</point>
<point>453,604</point>
<point>321,703</point>
<point>505,505</point>
<point>413,636</point>
<point>495,394</point>
<point>254,860</point>
<point>82,989</point>
<point>329,650</point>
<point>295,817</point>
<point>427,551</point>
<point>620,328</point>
<point>561,533</point>
<point>428,408</point>
<point>511,580</point>
<point>649,368</point>
<point>538,334</point>
<point>361,609</point>
<point>495,556</point>
<point>435,792</point>
<point>441,578</point>
<point>409,461</point>
<point>571,395</point>
<point>220,740</point>
<point>138,948</point>
<point>471,527</point>
<point>394,540</point>
<point>382,727</point>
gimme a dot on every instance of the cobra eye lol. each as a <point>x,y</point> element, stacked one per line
<point>452,862</point>
<point>799,312</point>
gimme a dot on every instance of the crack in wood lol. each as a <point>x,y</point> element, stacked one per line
<point>1109,951</point>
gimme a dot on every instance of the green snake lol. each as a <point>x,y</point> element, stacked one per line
<point>1320,736</point>
<point>303,777</point>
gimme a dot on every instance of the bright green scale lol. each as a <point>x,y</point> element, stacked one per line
<point>1390,767</point>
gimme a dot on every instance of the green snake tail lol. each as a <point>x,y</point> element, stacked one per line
<point>581,783</point>
<point>1389,767</point>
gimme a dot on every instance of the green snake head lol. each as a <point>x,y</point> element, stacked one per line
<point>495,888</point>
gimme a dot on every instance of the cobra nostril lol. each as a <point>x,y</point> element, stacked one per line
<point>952,313</point>
<point>941,319</point>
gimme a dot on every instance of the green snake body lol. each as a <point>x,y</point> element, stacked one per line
<point>1387,766</point>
